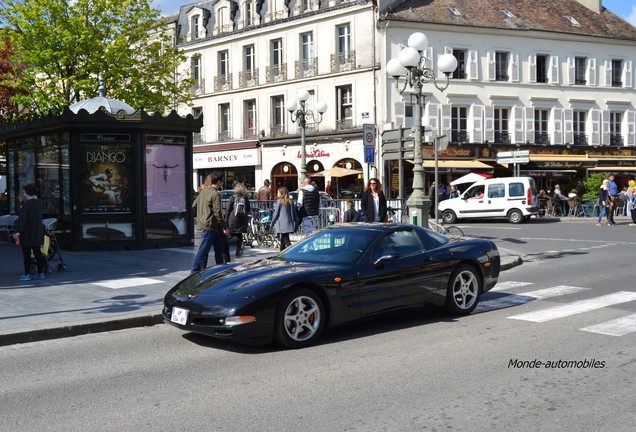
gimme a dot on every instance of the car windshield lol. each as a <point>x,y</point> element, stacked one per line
<point>330,246</point>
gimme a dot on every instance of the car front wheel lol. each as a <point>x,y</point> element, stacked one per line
<point>449,217</point>
<point>515,216</point>
<point>463,292</point>
<point>300,319</point>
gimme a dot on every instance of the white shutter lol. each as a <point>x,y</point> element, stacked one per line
<point>491,66</point>
<point>568,118</point>
<point>489,126</point>
<point>596,122</point>
<point>514,67</point>
<point>631,123</point>
<point>477,123</point>
<point>530,124</point>
<point>432,119</point>
<point>591,72</point>
<point>608,73</point>
<point>399,108</point>
<point>518,125</point>
<point>554,69</point>
<point>446,118</point>
<point>558,126</point>
<point>472,65</point>
<point>571,70</point>
<point>606,128</point>
<point>627,81</point>
<point>532,64</point>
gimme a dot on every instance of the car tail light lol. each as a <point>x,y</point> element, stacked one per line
<point>529,196</point>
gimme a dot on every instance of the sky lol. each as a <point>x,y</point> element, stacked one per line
<point>625,9</point>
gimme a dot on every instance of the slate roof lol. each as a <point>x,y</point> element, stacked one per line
<point>539,15</point>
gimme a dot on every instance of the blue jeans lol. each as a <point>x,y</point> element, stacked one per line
<point>308,224</point>
<point>209,239</point>
<point>604,211</point>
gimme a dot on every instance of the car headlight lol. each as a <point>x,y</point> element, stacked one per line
<point>239,320</point>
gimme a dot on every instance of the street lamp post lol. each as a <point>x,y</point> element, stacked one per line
<point>411,65</point>
<point>300,114</point>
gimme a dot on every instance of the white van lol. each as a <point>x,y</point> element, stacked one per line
<point>513,198</point>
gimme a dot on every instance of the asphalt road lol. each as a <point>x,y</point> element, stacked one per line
<point>417,371</point>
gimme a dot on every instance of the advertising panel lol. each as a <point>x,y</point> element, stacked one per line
<point>165,178</point>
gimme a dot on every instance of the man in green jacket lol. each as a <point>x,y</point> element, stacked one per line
<point>209,218</point>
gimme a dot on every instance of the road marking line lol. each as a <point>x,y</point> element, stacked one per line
<point>577,307</point>
<point>519,299</point>
<point>127,283</point>
<point>510,284</point>
<point>617,327</point>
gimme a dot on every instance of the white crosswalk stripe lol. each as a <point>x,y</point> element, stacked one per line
<point>519,299</point>
<point>509,284</point>
<point>617,327</point>
<point>577,307</point>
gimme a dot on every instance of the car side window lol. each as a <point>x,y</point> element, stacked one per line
<point>401,243</point>
<point>496,190</point>
<point>516,189</point>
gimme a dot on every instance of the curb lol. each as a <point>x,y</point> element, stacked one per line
<point>81,329</point>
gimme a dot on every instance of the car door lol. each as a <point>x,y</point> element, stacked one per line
<point>496,202</point>
<point>473,202</point>
<point>399,272</point>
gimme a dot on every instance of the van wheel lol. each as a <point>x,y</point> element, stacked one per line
<point>449,217</point>
<point>515,216</point>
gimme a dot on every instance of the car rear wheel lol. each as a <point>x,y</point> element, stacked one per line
<point>464,290</point>
<point>449,217</point>
<point>515,216</point>
<point>300,319</point>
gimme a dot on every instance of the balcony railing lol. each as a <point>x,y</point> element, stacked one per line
<point>616,140</point>
<point>276,73</point>
<point>224,136</point>
<point>459,136</point>
<point>250,133</point>
<point>343,124</point>
<point>248,78</point>
<point>197,138</point>
<point>541,138</point>
<point>580,139</point>
<point>198,88</point>
<point>344,61</point>
<point>277,131</point>
<point>307,68</point>
<point>223,82</point>
<point>502,138</point>
<point>222,29</point>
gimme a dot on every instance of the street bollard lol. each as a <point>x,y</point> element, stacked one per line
<point>414,218</point>
<point>332,219</point>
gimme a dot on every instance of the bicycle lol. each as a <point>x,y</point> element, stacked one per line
<point>451,231</point>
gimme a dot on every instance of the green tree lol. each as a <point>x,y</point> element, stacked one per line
<point>8,89</point>
<point>67,44</point>
<point>593,184</point>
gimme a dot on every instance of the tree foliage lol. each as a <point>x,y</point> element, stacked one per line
<point>66,45</point>
<point>8,88</point>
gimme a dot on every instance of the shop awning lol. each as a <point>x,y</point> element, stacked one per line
<point>613,168</point>
<point>444,164</point>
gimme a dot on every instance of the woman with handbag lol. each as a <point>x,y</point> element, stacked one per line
<point>30,233</point>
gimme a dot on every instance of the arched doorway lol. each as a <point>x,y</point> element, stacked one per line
<point>314,167</point>
<point>284,174</point>
<point>350,186</point>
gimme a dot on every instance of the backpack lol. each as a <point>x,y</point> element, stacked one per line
<point>239,206</point>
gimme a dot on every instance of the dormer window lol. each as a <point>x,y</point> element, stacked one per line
<point>194,27</point>
<point>508,14</point>
<point>572,21</point>
<point>454,11</point>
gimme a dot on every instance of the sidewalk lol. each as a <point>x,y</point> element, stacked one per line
<point>99,291</point>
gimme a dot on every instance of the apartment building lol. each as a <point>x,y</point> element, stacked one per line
<point>554,77</point>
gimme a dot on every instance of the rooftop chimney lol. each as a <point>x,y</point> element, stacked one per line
<point>594,5</point>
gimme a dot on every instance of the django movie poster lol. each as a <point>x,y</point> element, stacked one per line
<point>107,177</point>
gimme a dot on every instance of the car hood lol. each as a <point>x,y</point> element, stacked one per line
<point>243,279</point>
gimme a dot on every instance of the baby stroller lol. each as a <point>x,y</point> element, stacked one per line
<point>50,248</point>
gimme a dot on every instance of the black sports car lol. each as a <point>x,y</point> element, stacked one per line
<point>343,273</point>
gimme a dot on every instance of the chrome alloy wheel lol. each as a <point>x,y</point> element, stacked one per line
<point>302,319</point>
<point>465,289</point>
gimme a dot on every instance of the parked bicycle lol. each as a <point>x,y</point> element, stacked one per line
<point>447,230</point>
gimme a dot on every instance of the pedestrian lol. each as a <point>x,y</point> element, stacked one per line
<point>308,205</point>
<point>613,198</point>
<point>285,219</point>
<point>373,202</point>
<point>265,192</point>
<point>329,189</point>
<point>207,206</point>
<point>350,215</point>
<point>603,203</point>
<point>454,192</point>
<point>237,215</point>
<point>30,232</point>
<point>631,203</point>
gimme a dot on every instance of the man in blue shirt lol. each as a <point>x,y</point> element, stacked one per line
<point>613,198</point>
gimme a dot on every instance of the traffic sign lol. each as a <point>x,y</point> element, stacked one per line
<point>515,153</point>
<point>368,135</point>
<point>513,160</point>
